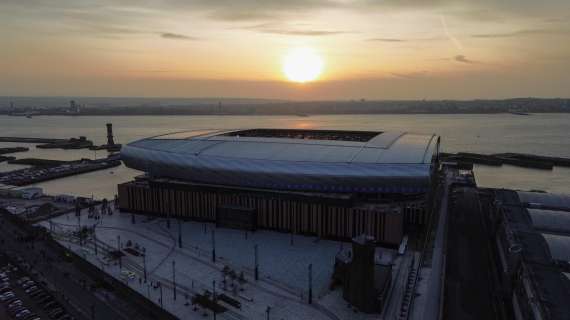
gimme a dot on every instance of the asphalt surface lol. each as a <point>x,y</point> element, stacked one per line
<point>468,284</point>
<point>67,280</point>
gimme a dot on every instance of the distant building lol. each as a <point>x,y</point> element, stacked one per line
<point>74,107</point>
<point>330,183</point>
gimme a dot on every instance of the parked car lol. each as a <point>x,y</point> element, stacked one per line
<point>31,316</point>
<point>36,293</point>
<point>23,280</point>
<point>15,303</point>
<point>5,289</point>
<point>7,296</point>
<point>51,305</point>
<point>42,297</point>
<point>31,289</point>
<point>10,300</point>
<point>23,314</point>
<point>15,311</point>
<point>57,313</point>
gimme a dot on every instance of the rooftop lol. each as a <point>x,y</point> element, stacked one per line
<point>291,159</point>
<point>544,235</point>
<point>360,136</point>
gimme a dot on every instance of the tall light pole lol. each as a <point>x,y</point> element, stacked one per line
<point>310,283</point>
<point>160,286</point>
<point>119,252</point>
<point>79,228</point>
<point>214,297</point>
<point>179,234</point>
<point>144,266</point>
<point>256,264</point>
<point>214,245</point>
<point>95,239</point>
<point>174,278</point>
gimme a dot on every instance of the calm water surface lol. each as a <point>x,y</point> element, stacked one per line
<point>544,134</point>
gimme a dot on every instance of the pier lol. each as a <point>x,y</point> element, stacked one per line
<point>48,143</point>
<point>37,174</point>
<point>515,159</point>
<point>13,150</point>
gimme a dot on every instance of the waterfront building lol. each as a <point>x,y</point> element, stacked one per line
<point>330,183</point>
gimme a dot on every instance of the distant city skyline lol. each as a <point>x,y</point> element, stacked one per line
<point>390,49</point>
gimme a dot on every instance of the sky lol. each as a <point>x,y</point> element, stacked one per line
<point>372,49</point>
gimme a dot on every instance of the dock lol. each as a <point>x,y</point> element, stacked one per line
<point>515,159</point>
<point>38,162</point>
<point>37,174</point>
<point>48,143</point>
<point>13,150</point>
<point>6,158</point>
<point>29,140</point>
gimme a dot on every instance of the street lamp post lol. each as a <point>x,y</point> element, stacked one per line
<point>119,252</point>
<point>160,286</point>
<point>214,245</point>
<point>256,264</point>
<point>214,297</point>
<point>179,234</point>
<point>310,283</point>
<point>95,239</point>
<point>144,266</point>
<point>174,278</point>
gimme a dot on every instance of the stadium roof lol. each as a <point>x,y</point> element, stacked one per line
<point>314,160</point>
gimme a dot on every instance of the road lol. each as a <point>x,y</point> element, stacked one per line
<point>71,283</point>
<point>468,284</point>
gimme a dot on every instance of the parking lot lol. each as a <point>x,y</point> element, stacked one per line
<point>24,298</point>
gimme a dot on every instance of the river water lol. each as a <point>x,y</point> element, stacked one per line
<point>543,134</point>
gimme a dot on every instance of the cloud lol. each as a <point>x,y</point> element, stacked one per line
<point>463,59</point>
<point>304,32</point>
<point>254,10</point>
<point>282,29</point>
<point>241,16</point>
<point>524,32</point>
<point>176,36</point>
<point>409,75</point>
<point>387,40</point>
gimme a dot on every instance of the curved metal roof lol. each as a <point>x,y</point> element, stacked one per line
<point>550,220</point>
<point>547,200</point>
<point>558,245</point>
<point>315,160</point>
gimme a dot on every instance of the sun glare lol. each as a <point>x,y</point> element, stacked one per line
<point>302,65</point>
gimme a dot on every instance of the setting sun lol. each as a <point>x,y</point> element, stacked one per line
<point>302,65</point>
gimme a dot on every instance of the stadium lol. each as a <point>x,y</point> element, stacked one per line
<point>330,183</point>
